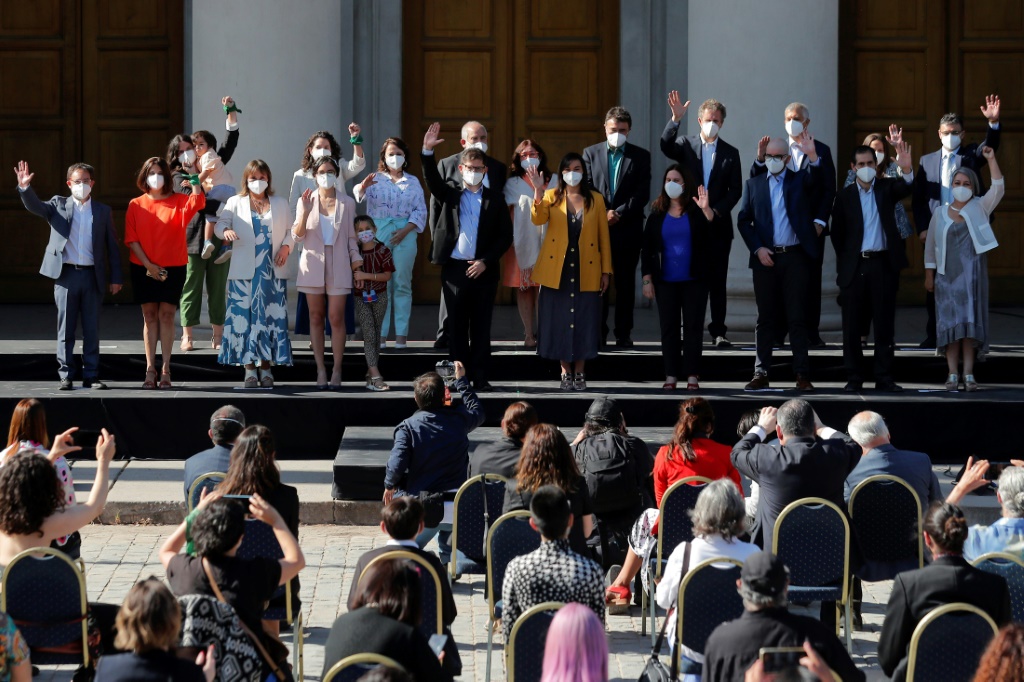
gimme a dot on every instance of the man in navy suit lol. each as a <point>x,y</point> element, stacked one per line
<point>226,424</point>
<point>82,247</point>
<point>776,222</point>
<point>932,183</point>
<point>714,163</point>
<point>621,172</point>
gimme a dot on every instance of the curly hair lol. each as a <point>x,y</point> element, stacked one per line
<point>253,468</point>
<point>546,460</point>
<point>172,151</point>
<point>696,419</point>
<point>149,619</point>
<point>31,493</point>
<point>28,422</point>
<point>1003,660</point>
<point>218,528</point>
<point>307,158</point>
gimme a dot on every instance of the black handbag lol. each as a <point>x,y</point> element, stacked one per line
<point>655,670</point>
<point>433,508</point>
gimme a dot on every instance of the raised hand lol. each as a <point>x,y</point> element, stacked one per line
<point>105,447</point>
<point>676,104</point>
<point>207,496</point>
<point>368,182</point>
<point>23,174</point>
<point>767,419</point>
<point>702,198</point>
<point>64,444</point>
<point>430,138</point>
<point>261,509</point>
<point>904,157</point>
<point>762,147</point>
<point>354,129</point>
<point>990,110</point>
<point>988,153</point>
<point>805,143</point>
<point>306,200</point>
<point>895,135</point>
<point>535,179</point>
<point>227,101</point>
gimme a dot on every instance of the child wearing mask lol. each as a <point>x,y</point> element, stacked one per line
<point>371,295</point>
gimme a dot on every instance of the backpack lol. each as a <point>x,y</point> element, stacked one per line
<point>606,462</point>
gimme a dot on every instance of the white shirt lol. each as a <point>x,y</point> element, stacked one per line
<point>707,156</point>
<point>78,249</point>
<point>327,229</point>
<point>782,231</point>
<point>401,543</point>
<point>874,236</point>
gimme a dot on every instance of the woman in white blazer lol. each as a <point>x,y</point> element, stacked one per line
<point>324,226</point>
<point>956,269</point>
<point>258,225</point>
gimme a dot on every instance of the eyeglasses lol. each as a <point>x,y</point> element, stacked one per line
<point>475,169</point>
<point>775,157</point>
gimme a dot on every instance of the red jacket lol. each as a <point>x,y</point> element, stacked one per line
<point>712,461</point>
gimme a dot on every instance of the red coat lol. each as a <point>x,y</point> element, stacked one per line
<point>712,461</point>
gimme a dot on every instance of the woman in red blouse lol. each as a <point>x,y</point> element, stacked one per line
<point>154,230</point>
<point>691,453</point>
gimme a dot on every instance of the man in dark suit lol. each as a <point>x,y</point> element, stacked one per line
<point>474,136</point>
<point>82,246</point>
<point>472,232</point>
<point>933,181</point>
<point>776,222</point>
<point>621,172</point>
<point>869,256</point>
<point>714,163</point>
<point>225,425</point>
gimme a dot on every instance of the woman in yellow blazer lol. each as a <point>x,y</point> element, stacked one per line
<point>573,268</point>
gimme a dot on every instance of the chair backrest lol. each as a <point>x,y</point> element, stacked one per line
<point>885,514</point>
<point>510,536</point>
<point>948,643</point>
<point>1011,568</point>
<point>430,582</point>
<point>674,524</point>
<point>207,482</point>
<point>812,537</point>
<point>707,598</point>
<point>524,653</point>
<point>206,621</point>
<point>351,668</point>
<point>43,592</point>
<point>476,507</point>
<point>259,541</point>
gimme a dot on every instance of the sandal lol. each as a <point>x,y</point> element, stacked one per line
<point>186,344</point>
<point>617,599</point>
<point>266,378</point>
<point>252,380</point>
<point>691,383</point>
<point>566,384</point>
<point>668,386</point>
<point>376,383</point>
<point>580,383</point>
<point>165,380</point>
<point>150,381</point>
<point>970,384</point>
<point>953,383</point>
<point>217,340</point>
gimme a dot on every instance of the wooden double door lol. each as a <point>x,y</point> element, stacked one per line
<point>910,61</point>
<point>524,68</point>
<point>99,81</point>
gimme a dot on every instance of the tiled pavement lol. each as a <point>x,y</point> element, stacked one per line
<point>117,556</point>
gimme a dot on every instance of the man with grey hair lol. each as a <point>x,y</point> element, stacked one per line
<point>766,622</point>
<point>225,425</point>
<point>880,456</point>
<point>1006,534</point>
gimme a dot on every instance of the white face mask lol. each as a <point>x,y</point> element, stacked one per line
<point>366,236</point>
<point>950,141</point>
<point>572,178</point>
<point>156,181</point>
<point>616,140</point>
<point>394,161</point>
<point>257,186</point>
<point>879,158</point>
<point>961,193</point>
<point>187,157</point>
<point>710,129</point>
<point>317,153</point>
<point>673,189</point>
<point>794,127</point>
<point>80,191</point>
<point>866,173</point>
<point>482,146</point>
<point>529,162</point>
<point>326,180</point>
<point>472,178</point>
<point>774,166</point>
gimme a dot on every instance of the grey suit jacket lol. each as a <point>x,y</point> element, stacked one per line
<point>913,467</point>
<point>58,213</point>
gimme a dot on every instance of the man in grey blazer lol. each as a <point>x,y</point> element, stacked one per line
<point>82,246</point>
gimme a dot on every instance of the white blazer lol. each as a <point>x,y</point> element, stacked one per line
<point>237,215</point>
<point>975,214</point>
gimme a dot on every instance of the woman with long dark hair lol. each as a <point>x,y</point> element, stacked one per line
<point>573,268</point>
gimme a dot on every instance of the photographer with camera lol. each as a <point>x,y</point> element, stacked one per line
<point>430,457</point>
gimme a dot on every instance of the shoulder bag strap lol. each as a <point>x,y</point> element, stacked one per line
<point>487,514</point>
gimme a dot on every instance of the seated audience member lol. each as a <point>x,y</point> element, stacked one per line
<point>552,572</point>
<point>1003,660</point>
<point>766,622</point>
<point>880,456</point>
<point>949,578</point>
<point>225,425</point>
<point>384,620</point>
<point>501,457</point>
<point>15,665</point>
<point>719,518</point>
<point>747,422</point>
<point>431,451</point>
<point>1006,534</point>
<point>402,520</point>
<point>617,467</point>
<point>246,584</point>
<point>810,668</point>
<point>148,628</point>
<point>547,460</point>
<point>576,648</point>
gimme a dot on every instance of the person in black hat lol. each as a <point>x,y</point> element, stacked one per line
<point>766,622</point>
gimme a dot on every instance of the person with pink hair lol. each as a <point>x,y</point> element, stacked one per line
<point>576,649</point>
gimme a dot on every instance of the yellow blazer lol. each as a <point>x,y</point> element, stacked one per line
<point>595,243</point>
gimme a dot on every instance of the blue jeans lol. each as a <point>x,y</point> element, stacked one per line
<point>444,538</point>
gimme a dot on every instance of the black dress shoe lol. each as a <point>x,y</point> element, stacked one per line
<point>760,381</point>
<point>66,385</point>
<point>888,387</point>
<point>853,386</point>
<point>624,343</point>
<point>94,383</point>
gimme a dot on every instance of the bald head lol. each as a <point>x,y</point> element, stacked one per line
<point>868,429</point>
<point>473,132</point>
<point>777,146</point>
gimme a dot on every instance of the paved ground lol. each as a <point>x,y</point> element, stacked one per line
<point>117,556</point>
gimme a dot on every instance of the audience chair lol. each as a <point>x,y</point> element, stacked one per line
<point>885,515</point>
<point>205,482</point>
<point>812,536</point>
<point>510,536</point>
<point>478,504</point>
<point>259,541</point>
<point>948,643</point>
<point>707,598</point>
<point>205,621</point>
<point>433,622</point>
<point>524,650</point>
<point>674,528</point>
<point>1011,568</point>
<point>351,668</point>
<point>43,591</point>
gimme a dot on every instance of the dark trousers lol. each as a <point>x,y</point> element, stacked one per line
<point>783,287</point>
<point>874,287</point>
<point>929,326</point>
<point>625,256</point>
<point>690,300</point>
<point>717,278</point>
<point>78,299</point>
<point>470,304</point>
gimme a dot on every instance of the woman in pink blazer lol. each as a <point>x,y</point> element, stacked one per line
<point>324,227</point>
